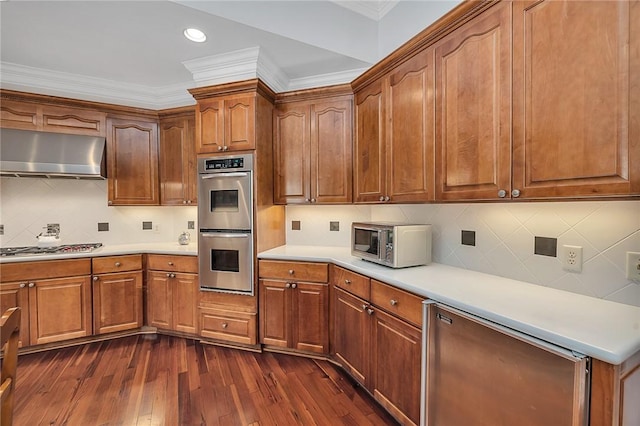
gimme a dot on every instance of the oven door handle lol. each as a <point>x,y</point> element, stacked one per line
<point>224,175</point>
<point>224,235</point>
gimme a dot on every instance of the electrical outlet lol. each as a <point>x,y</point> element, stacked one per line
<point>572,258</point>
<point>633,266</point>
<point>156,229</point>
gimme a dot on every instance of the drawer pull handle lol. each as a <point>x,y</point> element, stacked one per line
<point>225,325</point>
<point>287,285</point>
<point>364,307</point>
<point>347,281</point>
<point>370,311</point>
<point>118,264</point>
<point>170,263</point>
<point>23,285</point>
<point>294,285</point>
<point>393,302</point>
<point>291,272</point>
<point>95,278</point>
<point>32,285</point>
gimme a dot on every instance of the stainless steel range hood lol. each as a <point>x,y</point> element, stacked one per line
<point>52,155</point>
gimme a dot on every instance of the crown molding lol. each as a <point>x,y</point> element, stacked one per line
<point>374,10</point>
<point>322,80</point>
<point>56,83</point>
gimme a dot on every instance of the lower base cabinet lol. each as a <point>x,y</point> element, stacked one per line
<point>117,293</point>
<point>172,293</point>
<point>380,350</point>
<point>294,305</point>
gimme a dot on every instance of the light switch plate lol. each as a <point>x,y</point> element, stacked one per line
<point>633,266</point>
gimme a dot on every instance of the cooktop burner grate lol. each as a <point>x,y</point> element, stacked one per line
<point>35,250</point>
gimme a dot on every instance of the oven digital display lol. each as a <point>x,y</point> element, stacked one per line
<point>224,163</point>
<point>225,260</point>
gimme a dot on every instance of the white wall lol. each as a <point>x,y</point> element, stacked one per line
<point>27,205</point>
<point>505,238</point>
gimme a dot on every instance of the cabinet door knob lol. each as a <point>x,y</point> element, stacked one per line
<point>95,278</point>
<point>291,272</point>
<point>225,325</point>
<point>184,201</point>
<point>287,285</point>
<point>381,198</point>
<point>347,281</point>
<point>32,285</point>
<point>188,201</point>
<point>220,148</point>
<point>306,200</point>
<point>393,302</point>
<point>364,307</point>
<point>118,264</point>
<point>370,311</point>
<point>313,200</point>
<point>23,285</point>
<point>387,198</point>
<point>515,193</point>
<point>226,148</point>
<point>110,202</point>
<point>294,285</point>
<point>168,275</point>
<point>502,193</point>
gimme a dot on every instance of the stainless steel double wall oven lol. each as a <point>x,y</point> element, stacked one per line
<point>225,219</point>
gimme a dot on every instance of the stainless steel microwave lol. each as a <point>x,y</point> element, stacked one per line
<point>397,245</point>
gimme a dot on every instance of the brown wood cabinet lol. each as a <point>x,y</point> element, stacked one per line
<point>381,350</point>
<point>172,293</point>
<point>576,98</point>
<point>473,104</point>
<point>58,294</point>
<point>132,161</point>
<point>225,123</point>
<point>50,118</point>
<point>294,305</point>
<point>394,134</point>
<point>177,159</point>
<point>313,151</point>
<point>117,293</point>
<point>14,294</point>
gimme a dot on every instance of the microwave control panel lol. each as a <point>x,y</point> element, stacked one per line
<point>388,247</point>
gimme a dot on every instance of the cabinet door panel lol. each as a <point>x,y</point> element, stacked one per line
<point>60,309</point>
<point>19,115</point>
<point>12,295</point>
<point>185,302</point>
<point>474,99</point>
<point>209,126</point>
<point>311,317</point>
<point>159,297</point>
<point>410,113</point>
<point>239,123</point>
<point>576,93</point>
<point>396,366</point>
<point>291,145</point>
<point>132,149</point>
<point>117,302</point>
<point>275,311</point>
<point>369,160</point>
<point>74,121</point>
<point>331,147</point>
<point>351,334</point>
<point>177,162</point>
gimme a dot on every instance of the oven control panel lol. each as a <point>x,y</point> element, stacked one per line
<point>236,163</point>
<point>224,163</point>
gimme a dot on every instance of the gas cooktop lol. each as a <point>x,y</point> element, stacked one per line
<point>35,250</point>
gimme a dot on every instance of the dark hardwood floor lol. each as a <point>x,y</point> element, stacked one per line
<point>164,380</point>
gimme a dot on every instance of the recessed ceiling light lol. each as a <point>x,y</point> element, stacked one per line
<point>196,35</point>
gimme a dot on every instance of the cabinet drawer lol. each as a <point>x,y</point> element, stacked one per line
<point>29,271</point>
<point>159,262</point>
<point>352,282</point>
<point>105,265</point>
<point>398,302</point>
<point>238,327</point>
<point>303,271</point>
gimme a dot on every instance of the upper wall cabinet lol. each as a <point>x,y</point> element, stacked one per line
<point>50,118</point>
<point>132,161</point>
<point>394,134</point>
<point>473,98</point>
<point>177,160</point>
<point>225,124</point>
<point>312,151</point>
<point>576,103</point>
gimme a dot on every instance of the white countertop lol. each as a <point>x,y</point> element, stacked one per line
<point>111,250</point>
<point>601,329</point>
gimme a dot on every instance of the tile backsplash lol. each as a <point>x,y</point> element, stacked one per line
<point>29,204</point>
<point>504,238</point>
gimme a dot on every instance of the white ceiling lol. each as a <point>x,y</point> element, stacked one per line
<point>133,52</point>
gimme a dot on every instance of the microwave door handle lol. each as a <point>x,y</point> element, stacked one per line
<point>223,235</point>
<point>224,175</point>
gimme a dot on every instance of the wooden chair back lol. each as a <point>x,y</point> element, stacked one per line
<point>9,336</point>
